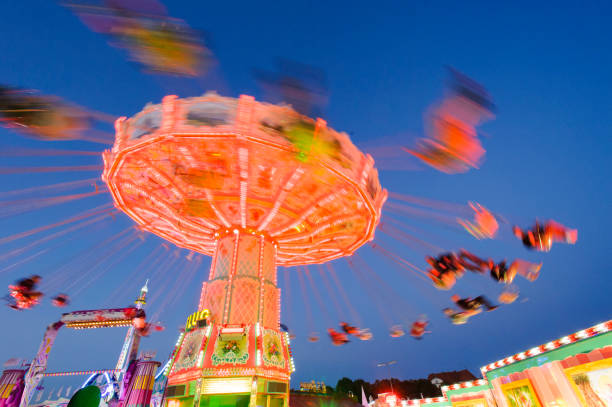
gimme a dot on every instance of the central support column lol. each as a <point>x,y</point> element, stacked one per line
<point>234,354</point>
<point>241,288</point>
<point>242,291</point>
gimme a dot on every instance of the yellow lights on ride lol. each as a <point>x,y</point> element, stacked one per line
<point>193,319</point>
<point>226,386</point>
<point>99,324</point>
<point>80,372</point>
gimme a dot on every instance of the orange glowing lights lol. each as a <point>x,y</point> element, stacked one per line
<point>188,169</point>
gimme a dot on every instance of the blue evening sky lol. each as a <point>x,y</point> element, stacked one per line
<point>548,67</point>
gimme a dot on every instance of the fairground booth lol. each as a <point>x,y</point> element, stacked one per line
<point>572,371</point>
<point>575,370</point>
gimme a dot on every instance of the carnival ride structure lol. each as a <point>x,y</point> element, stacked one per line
<point>118,383</point>
<point>254,186</point>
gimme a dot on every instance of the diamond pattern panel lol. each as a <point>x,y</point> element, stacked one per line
<point>224,258</point>
<point>269,263</point>
<point>244,305</point>
<point>203,296</point>
<point>214,299</point>
<point>248,259</point>
<point>271,306</point>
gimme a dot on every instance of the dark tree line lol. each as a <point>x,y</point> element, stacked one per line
<point>412,389</point>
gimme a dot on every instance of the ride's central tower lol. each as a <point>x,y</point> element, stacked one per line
<point>242,285</point>
<point>232,351</point>
<point>254,186</point>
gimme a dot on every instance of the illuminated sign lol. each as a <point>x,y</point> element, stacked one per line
<point>226,386</point>
<point>199,318</point>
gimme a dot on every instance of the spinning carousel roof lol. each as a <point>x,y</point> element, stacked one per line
<point>192,169</point>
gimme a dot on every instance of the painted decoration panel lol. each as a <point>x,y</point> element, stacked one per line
<point>520,394</point>
<point>233,351</point>
<point>593,383</point>
<point>272,353</point>
<point>190,349</point>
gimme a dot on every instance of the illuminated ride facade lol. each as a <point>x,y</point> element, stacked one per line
<point>254,186</point>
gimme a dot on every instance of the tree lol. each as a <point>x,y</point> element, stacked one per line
<point>412,389</point>
<point>344,385</point>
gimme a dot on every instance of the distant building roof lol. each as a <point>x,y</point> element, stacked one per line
<point>453,377</point>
